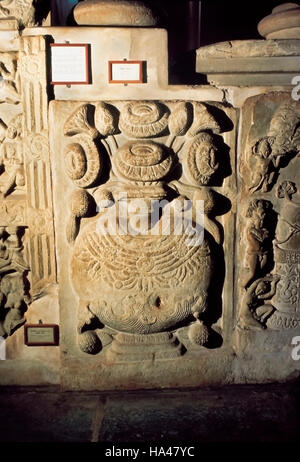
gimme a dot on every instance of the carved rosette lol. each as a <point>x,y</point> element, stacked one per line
<point>144,119</point>
<point>143,162</point>
<point>82,162</point>
<point>200,159</point>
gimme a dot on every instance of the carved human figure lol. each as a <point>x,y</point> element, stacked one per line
<point>282,141</point>
<point>13,300</point>
<point>258,240</point>
<point>265,165</point>
<point>254,312</point>
<point>13,296</point>
<point>11,157</point>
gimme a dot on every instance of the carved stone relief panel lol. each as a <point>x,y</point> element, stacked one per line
<point>26,217</point>
<point>37,162</point>
<point>138,239</point>
<point>13,281</point>
<point>269,288</point>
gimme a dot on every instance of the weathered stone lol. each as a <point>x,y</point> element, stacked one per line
<point>115,13</point>
<point>269,278</point>
<point>250,62</point>
<point>283,23</point>
<point>162,298</point>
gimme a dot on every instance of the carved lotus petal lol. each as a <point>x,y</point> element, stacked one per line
<point>105,120</point>
<point>79,123</point>
<point>179,120</point>
<point>143,161</point>
<point>200,163</point>
<point>82,161</point>
<point>203,120</point>
<point>143,119</point>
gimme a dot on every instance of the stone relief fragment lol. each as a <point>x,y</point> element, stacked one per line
<point>287,258</point>
<point>10,79</point>
<point>142,224</point>
<point>13,282</point>
<point>26,12</point>
<point>269,278</point>
<point>274,151</point>
<point>39,212</point>
<point>12,175</point>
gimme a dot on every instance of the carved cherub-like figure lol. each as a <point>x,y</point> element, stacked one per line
<point>258,240</point>
<point>11,159</point>
<point>265,166</point>
<point>282,141</point>
<point>254,312</point>
<point>14,169</point>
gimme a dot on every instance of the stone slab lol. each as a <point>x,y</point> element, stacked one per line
<point>250,62</point>
<point>249,49</point>
<point>248,80</point>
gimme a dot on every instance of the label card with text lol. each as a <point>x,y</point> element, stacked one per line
<point>125,71</point>
<point>69,63</point>
<point>41,334</point>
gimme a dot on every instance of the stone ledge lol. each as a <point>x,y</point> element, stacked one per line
<point>250,62</point>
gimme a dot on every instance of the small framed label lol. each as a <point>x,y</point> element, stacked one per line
<point>41,334</point>
<point>70,63</point>
<point>125,71</point>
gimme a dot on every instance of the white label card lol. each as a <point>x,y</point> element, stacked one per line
<point>69,64</point>
<point>125,72</point>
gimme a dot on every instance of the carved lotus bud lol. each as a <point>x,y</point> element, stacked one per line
<point>144,119</point>
<point>179,120</point>
<point>104,198</point>
<point>198,333</point>
<point>79,206</point>
<point>89,343</point>
<point>105,119</point>
<point>203,120</point>
<point>143,161</point>
<point>200,160</point>
<point>82,162</point>
<point>79,122</point>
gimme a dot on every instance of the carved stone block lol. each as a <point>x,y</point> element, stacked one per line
<point>269,215</point>
<point>139,244</point>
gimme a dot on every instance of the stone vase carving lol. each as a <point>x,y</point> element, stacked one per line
<point>144,234</point>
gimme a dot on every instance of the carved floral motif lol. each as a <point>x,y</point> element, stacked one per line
<point>82,161</point>
<point>143,119</point>
<point>153,280</point>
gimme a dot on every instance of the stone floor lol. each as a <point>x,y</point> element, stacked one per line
<point>238,413</point>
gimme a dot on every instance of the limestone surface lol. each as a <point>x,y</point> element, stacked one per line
<point>115,13</point>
